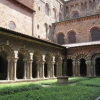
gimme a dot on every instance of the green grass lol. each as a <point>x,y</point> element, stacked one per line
<point>77,89</point>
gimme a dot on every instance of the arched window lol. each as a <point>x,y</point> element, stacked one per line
<point>60,17</point>
<point>54,13</point>
<point>47,9</point>
<point>46,30</point>
<point>60,39</point>
<point>95,34</point>
<point>75,15</point>
<point>72,37</point>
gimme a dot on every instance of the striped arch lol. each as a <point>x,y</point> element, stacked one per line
<point>95,55</point>
<point>49,57</point>
<point>37,55</point>
<point>81,55</point>
<point>8,50</point>
<point>25,53</point>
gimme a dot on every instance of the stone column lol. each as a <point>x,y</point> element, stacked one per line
<point>42,69</point>
<point>11,69</point>
<point>15,64</point>
<point>94,68</point>
<point>49,69</point>
<point>88,63</point>
<point>74,68</point>
<point>25,65</point>
<point>60,68</point>
<point>65,67</point>
<point>8,69</point>
<point>38,69</point>
<point>15,68</point>
<point>78,66</point>
<point>30,69</point>
<point>30,65</point>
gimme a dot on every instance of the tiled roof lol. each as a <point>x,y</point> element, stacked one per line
<point>82,44</point>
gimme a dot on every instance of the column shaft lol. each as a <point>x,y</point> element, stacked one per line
<point>15,67</point>
<point>30,63</point>
<point>8,76</point>
<point>25,64</point>
<point>74,69</point>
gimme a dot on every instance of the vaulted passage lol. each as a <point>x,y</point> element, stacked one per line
<point>69,67</point>
<point>3,68</point>
<point>83,68</point>
<point>45,70</point>
<point>20,67</point>
<point>97,67</point>
<point>34,69</point>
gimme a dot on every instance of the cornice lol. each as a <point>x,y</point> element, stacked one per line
<point>78,19</point>
<point>27,38</point>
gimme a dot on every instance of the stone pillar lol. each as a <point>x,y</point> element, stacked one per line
<point>15,64</point>
<point>8,69</point>
<point>38,69</point>
<point>15,68</point>
<point>94,69</point>
<point>60,68</point>
<point>25,65</point>
<point>88,63</point>
<point>30,69</point>
<point>74,68</point>
<point>30,65</point>
<point>42,69</point>
<point>65,67</point>
<point>11,69</point>
<point>78,68</point>
<point>49,69</point>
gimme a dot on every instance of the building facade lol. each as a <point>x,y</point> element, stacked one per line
<point>42,39</point>
<point>80,34</point>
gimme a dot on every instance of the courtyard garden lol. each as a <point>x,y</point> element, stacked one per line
<point>78,88</point>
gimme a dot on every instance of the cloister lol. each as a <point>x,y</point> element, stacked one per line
<point>21,64</point>
<point>24,65</point>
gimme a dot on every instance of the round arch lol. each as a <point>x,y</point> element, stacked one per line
<point>96,62</point>
<point>71,37</point>
<point>23,56</point>
<point>48,60</point>
<point>5,52</point>
<point>60,38</point>
<point>36,57</point>
<point>75,14</point>
<point>95,34</point>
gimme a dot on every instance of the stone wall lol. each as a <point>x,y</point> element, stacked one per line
<point>19,17</point>
<point>28,3</point>
<point>82,28</point>
<point>82,7</point>
<point>41,18</point>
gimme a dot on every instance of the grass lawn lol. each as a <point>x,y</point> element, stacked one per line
<point>77,89</point>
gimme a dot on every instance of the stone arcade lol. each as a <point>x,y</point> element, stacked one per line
<point>43,39</point>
